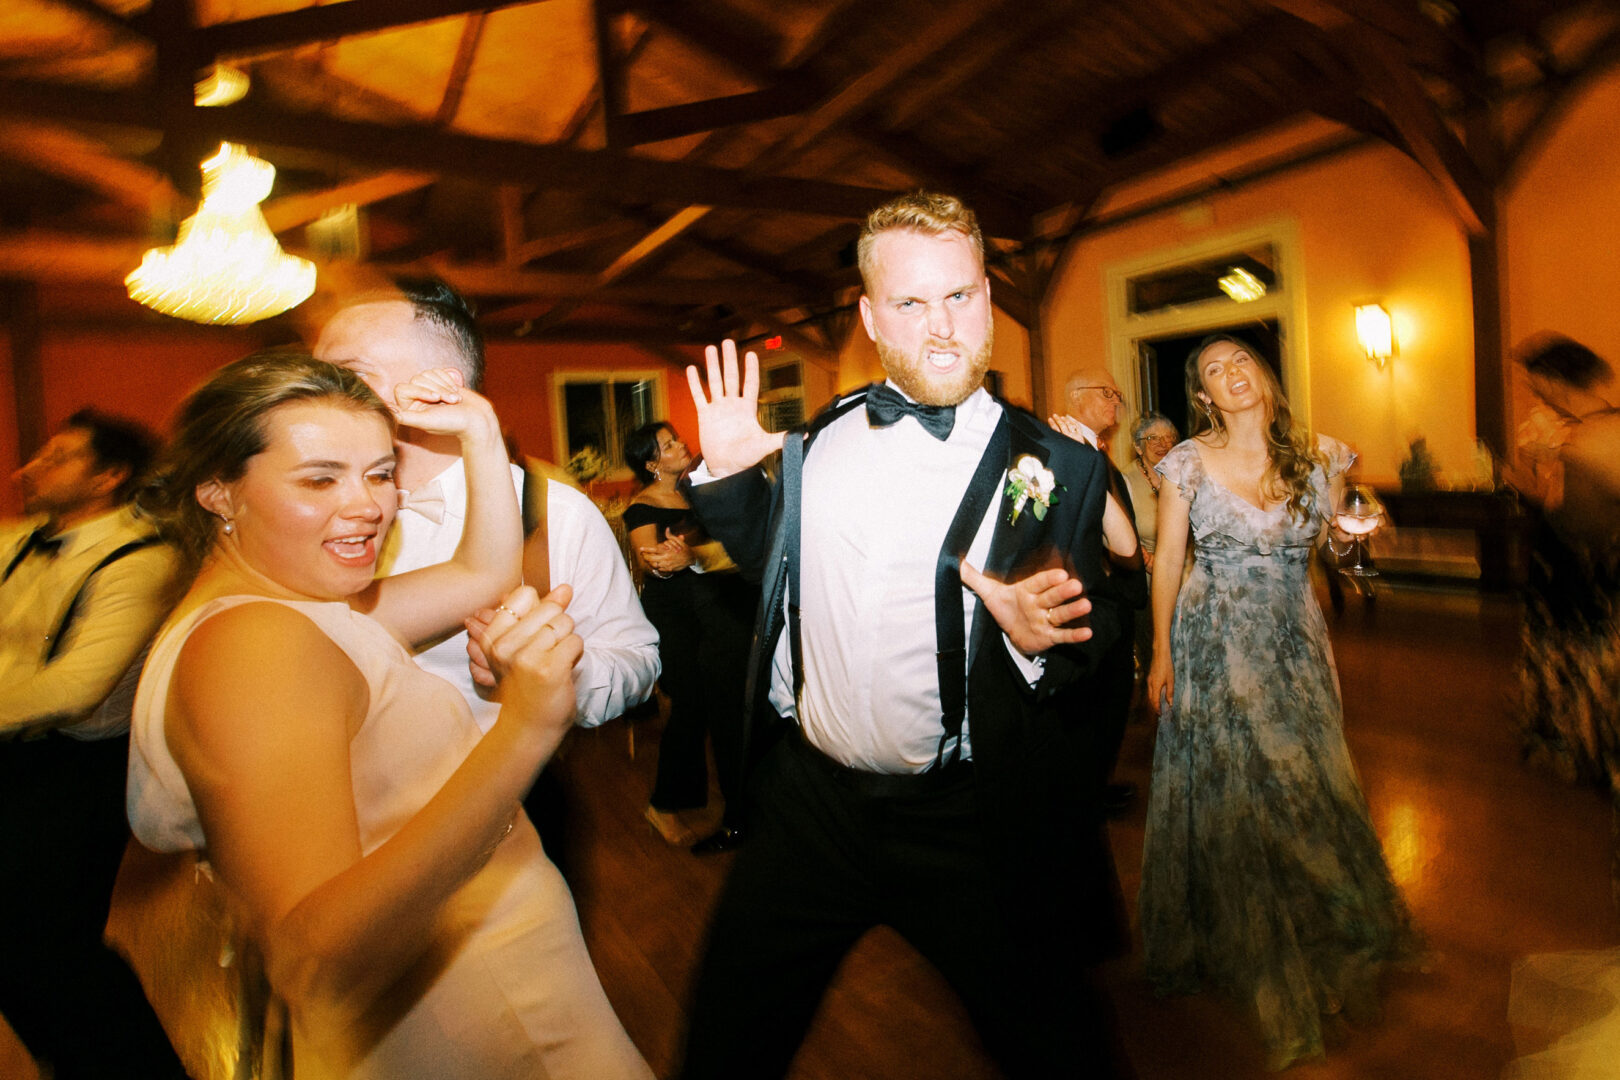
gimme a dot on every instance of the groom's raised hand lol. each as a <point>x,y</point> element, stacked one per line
<point>1033,611</point>
<point>728,415</point>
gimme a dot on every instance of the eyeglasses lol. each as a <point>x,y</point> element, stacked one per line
<point>1159,439</point>
<point>1107,391</point>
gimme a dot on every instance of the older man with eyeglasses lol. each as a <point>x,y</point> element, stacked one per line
<point>1094,400</point>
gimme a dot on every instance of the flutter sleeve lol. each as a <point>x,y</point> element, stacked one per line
<point>1336,456</point>
<point>1182,467</point>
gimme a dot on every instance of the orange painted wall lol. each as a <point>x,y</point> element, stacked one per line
<point>145,374</point>
<point>518,379</point>
<point>1371,225</point>
<point>1561,230</point>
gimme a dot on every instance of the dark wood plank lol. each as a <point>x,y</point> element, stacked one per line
<point>1497,862</point>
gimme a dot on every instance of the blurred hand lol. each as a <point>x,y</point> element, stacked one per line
<point>668,557</point>
<point>435,401</point>
<point>527,645</point>
<point>728,415</point>
<point>1067,425</point>
<point>1032,611</point>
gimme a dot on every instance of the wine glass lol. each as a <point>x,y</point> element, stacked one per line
<point>1360,514</point>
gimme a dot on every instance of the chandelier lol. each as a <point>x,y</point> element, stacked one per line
<point>225,265</point>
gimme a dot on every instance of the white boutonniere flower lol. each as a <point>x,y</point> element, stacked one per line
<point>1028,481</point>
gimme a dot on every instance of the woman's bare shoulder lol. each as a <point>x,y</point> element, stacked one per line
<point>258,658</point>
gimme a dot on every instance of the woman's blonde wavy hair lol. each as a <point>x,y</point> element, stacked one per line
<point>1291,451</point>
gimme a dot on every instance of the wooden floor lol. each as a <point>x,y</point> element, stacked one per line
<point>1497,862</point>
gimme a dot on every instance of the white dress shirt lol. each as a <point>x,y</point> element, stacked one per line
<point>620,662</point>
<point>877,503</point>
<point>117,616</point>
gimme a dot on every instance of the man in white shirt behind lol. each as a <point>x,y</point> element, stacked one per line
<point>389,338</point>
<point>83,586</point>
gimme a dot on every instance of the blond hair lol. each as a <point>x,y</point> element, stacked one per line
<point>922,211</point>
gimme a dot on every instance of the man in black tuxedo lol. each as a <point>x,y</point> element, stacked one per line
<point>1094,403</point>
<point>917,758</point>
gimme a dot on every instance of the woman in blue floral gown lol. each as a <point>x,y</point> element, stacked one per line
<point>1262,876</point>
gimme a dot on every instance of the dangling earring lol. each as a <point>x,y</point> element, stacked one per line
<point>656,474</point>
<point>230,526</point>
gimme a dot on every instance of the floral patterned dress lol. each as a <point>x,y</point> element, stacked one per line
<point>1261,873</point>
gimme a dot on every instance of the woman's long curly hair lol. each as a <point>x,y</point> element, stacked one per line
<point>221,426</point>
<point>1291,452</point>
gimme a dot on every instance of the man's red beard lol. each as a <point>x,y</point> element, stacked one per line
<point>910,373</point>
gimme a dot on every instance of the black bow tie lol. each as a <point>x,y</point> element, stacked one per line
<point>45,543</point>
<point>39,541</point>
<point>886,405</point>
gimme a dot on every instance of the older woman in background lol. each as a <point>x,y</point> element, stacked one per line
<point>1153,436</point>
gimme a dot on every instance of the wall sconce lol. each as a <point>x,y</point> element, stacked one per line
<point>1375,332</point>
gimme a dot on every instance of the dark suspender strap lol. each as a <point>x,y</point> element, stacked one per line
<point>16,561</point>
<point>792,490</point>
<point>55,640</point>
<point>949,634</point>
<point>534,501</point>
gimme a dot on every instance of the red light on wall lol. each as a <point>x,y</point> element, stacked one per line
<point>774,342</point>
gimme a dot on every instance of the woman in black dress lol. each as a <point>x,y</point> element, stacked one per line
<point>703,611</point>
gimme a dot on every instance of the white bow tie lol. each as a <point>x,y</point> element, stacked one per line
<point>427,501</point>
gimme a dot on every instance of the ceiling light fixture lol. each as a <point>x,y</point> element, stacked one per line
<point>225,266</point>
<point>223,85</point>
<point>1241,285</point>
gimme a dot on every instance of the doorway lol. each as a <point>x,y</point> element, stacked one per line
<point>1162,363</point>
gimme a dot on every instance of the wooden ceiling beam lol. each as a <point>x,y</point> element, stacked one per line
<point>859,94</point>
<point>750,57</point>
<point>456,85</point>
<point>101,15</point>
<point>1389,80</point>
<point>612,72</point>
<point>785,98</point>
<point>291,211</point>
<point>478,279</point>
<point>541,246</point>
<point>1562,90</point>
<point>1005,294</point>
<point>68,155</point>
<point>269,33</point>
<point>759,262</point>
<point>1157,155</point>
<point>1006,35</point>
<point>663,234</point>
<point>650,337</point>
<point>748,47</point>
<point>607,174</point>
<point>999,213</point>
<point>1428,44</point>
<point>55,257</point>
<point>60,258</point>
<point>836,17</point>
<point>1079,118</point>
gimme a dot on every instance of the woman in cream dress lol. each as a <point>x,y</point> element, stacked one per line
<point>369,844</point>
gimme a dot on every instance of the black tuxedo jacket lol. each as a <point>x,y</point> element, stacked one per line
<point>1033,751</point>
